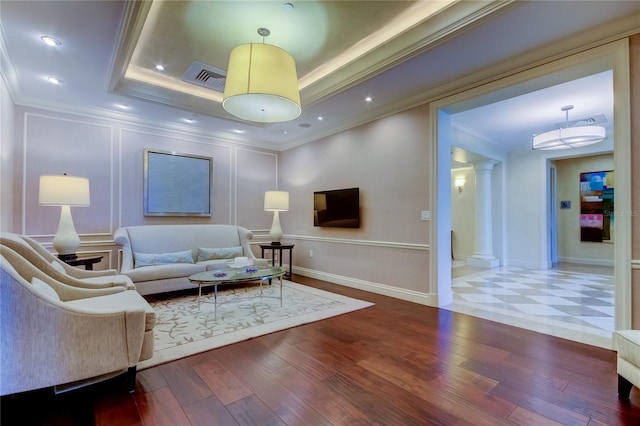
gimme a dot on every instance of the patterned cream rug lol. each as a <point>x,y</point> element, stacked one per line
<point>185,327</point>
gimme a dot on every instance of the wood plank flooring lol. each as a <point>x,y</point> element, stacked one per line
<point>396,363</point>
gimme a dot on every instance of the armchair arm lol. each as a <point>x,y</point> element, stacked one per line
<point>70,270</point>
<point>83,273</point>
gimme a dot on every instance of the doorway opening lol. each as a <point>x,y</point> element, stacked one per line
<point>528,238</point>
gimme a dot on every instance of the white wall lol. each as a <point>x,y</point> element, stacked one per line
<point>7,131</point>
<point>463,214</point>
<point>389,161</point>
<point>110,153</point>
<point>526,219</point>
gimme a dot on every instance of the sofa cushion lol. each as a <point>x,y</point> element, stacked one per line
<point>162,272</point>
<point>173,238</point>
<point>44,288</point>
<point>151,259</point>
<point>219,253</point>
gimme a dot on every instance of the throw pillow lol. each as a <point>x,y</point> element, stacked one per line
<point>58,267</point>
<point>219,253</point>
<point>44,288</point>
<point>150,259</point>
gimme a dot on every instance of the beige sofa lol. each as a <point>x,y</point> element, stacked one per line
<point>57,335</point>
<point>160,258</point>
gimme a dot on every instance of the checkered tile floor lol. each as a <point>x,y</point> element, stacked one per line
<point>571,305</point>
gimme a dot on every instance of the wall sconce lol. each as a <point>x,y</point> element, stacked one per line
<point>459,183</point>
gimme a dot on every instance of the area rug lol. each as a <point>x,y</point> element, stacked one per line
<point>186,327</point>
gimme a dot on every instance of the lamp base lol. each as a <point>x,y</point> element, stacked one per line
<point>66,257</point>
<point>276,243</point>
<point>276,230</point>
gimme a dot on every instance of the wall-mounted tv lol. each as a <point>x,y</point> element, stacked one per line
<point>339,208</point>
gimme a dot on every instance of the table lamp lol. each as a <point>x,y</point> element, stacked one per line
<point>276,201</point>
<point>65,191</point>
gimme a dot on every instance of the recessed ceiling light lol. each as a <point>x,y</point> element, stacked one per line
<point>368,99</point>
<point>53,80</point>
<point>123,106</point>
<point>287,6</point>
<point>239,131</point>
<point>160,67</point>
<point>320,118</point>
<point>50,41</point>
<point>285,133</point>
<point>189,120</point>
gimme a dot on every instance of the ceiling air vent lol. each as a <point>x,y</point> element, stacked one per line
<point>206,76</point>
<point>589,121</point>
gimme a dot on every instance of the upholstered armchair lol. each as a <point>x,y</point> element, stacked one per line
<point>44,260</point>
<point>56,335</point>
<point>627,344</point>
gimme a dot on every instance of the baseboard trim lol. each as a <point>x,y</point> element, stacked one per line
<point>586,261</point>
<point>377,288</point>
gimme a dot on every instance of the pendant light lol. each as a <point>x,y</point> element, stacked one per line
<point>569,137</point>
<point>262,84</point>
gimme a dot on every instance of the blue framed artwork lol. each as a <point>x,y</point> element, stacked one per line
<point>177,184</point>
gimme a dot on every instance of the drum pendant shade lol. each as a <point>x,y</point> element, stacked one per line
<point>262,84</point>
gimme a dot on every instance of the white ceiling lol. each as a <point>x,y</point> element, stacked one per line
<point>105,43</point>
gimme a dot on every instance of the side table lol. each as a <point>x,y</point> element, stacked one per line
<point>86,261</point>
<point>279,248</point>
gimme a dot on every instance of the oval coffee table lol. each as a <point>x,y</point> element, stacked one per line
<point>236,275</point>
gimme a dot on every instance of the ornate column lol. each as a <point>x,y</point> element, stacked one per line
<point>483,249</point>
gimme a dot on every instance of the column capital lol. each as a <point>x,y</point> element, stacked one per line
<point>483,165</point>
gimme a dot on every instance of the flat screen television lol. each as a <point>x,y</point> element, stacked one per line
<point>339,208</point>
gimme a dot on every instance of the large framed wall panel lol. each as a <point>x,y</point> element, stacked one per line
<point>57,145</point>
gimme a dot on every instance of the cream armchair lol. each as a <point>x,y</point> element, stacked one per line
<point>44,260</point>
<point>56,335</point>
<point>627,344</point>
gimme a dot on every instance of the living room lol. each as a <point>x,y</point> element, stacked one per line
<point>390,159</point>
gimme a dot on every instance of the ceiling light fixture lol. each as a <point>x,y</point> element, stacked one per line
<point>569,137</point>
<point>53,80</point>
<point>262,84</point>
<point>160,67</point>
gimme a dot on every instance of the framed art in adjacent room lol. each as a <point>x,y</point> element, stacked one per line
<point>177,184</point>
<point>597,206</point>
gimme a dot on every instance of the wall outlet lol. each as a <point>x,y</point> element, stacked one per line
<point>425,215</point>
<point>310,253</point>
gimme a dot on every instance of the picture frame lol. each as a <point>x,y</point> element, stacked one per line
<point>597,206</point>
<point>177,184</point>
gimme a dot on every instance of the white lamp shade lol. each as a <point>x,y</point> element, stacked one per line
<point>459,181</point>
<point>276,201</point>
<point>64,191</point>
<point>262,84</point>
<point>570,137</point>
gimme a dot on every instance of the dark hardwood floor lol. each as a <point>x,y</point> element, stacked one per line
<point>396,363</point>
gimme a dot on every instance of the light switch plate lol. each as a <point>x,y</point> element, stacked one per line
<point>425,215</point>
